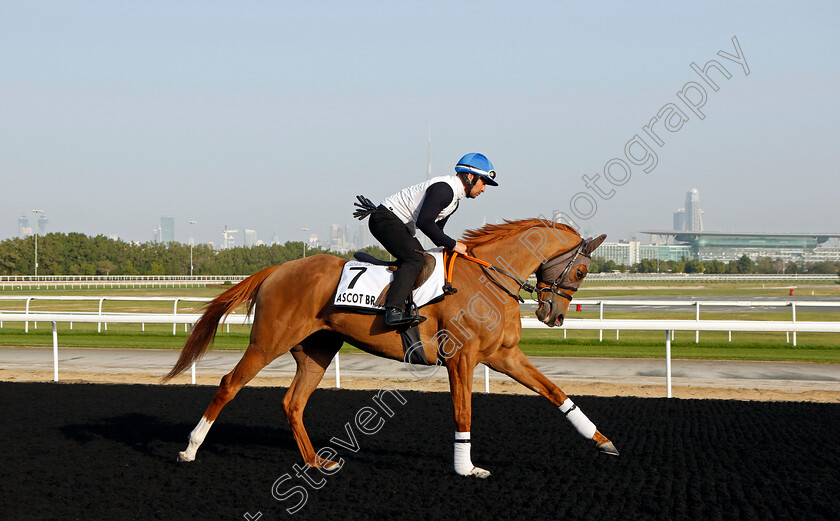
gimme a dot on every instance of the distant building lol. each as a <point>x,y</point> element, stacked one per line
<point>250,238</point>
<point>693,213</point>
<point>42,224</point>
<point>24,230</point>
<point>679,219</point>
<point>361,240</point>
<point>228,238</point>
<point>689,218</point>
<point>633,252</point>
<point>692,243</point>
<point>338,239</point>
<point>167,229</point>
<point>726,246</point>
<point>313,241</point>
<point>664,252</point>
<point>626,253</point>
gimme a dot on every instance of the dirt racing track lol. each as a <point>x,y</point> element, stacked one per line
<point>85,451</point>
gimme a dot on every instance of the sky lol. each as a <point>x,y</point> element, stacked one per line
<point>272,115</point>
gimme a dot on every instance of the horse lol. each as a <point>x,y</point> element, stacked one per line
<point>480,323</point>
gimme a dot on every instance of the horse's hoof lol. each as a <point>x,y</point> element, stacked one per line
<point>182,456</point>
<point>607,448</point>
<point>479,473</point>
<point>326,464</point>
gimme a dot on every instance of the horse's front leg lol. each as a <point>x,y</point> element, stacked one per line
<point>460,385</point>
<point>514,363</point>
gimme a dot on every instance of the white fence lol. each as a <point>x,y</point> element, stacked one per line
<point>11,282</point>
<point>101,301</point>
<point>696,304</point>
<point>668,326</point>
<point>576,304</point>
<point>723,277</point>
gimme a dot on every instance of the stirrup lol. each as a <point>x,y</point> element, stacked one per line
<point>400,317</point>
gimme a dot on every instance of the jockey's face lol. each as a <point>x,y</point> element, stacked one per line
<point>477,189</point>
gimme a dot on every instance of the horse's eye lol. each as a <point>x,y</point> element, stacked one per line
<point>580,274</point>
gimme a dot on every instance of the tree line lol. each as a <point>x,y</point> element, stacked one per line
<point>743,265</point>
<point>79,254</point>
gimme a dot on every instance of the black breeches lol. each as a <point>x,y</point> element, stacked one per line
<point>392,233</point>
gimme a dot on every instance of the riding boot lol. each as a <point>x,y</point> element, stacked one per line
<point>398,317</point>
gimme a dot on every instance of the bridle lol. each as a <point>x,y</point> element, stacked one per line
<point>557,286</point>
<point>547,267</point>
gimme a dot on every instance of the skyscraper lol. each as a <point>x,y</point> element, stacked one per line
<point>24,230</point>
<point>338,238</point>
<point>693,213</point>
<point>689,218</point>
<point>250,238</point>
<point>679,219</point>
<point>42,224</point>
<point>167,229</point>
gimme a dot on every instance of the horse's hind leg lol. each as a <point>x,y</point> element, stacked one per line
<point>313,355</point>
<point>251,363</point>
<point>514,363</point>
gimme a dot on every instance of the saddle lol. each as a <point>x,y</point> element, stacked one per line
<point>425,273</point>
<point>365,281</point>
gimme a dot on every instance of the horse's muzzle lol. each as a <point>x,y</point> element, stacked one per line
<point>549,314</point>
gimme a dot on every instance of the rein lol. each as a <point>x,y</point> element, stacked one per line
<point>556,287</point>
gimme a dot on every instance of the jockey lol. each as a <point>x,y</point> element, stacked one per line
<point>426,206</point>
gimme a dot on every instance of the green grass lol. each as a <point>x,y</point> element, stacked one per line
<point>713,345</point>
<point>812,347</point>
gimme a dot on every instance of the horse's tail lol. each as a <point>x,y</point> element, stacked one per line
<point>204,331</point>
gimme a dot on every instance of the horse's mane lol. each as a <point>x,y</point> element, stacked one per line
<point>493,232</point>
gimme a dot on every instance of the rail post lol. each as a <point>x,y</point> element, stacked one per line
<point>697,318</point>
<point>55,352</point>
<point>26,326</point>
<point>668,362</point>
<point>99,324</point>
<point>175,312</point>
<point>601,318</point>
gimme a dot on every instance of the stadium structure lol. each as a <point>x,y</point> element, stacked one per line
<point>727,246</point>
<point>688,241</point>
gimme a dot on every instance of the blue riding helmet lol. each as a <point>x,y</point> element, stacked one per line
<point>478,164</point>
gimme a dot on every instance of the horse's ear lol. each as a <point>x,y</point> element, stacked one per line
<point>591,244</point>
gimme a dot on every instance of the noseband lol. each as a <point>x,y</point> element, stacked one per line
<point>549,267</point>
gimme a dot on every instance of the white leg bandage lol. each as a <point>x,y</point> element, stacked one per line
<point>583,424</point>
<point>463,461</point>
<point>196,439</point>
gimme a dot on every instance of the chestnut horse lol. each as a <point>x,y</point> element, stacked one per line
<point>478,324</point>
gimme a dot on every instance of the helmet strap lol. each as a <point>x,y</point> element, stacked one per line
<point>468,185</point>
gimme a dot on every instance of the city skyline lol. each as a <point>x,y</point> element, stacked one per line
<point>236,116</point>
<point>335,237</point>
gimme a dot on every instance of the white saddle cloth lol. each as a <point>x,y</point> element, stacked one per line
<point>361,284</point>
